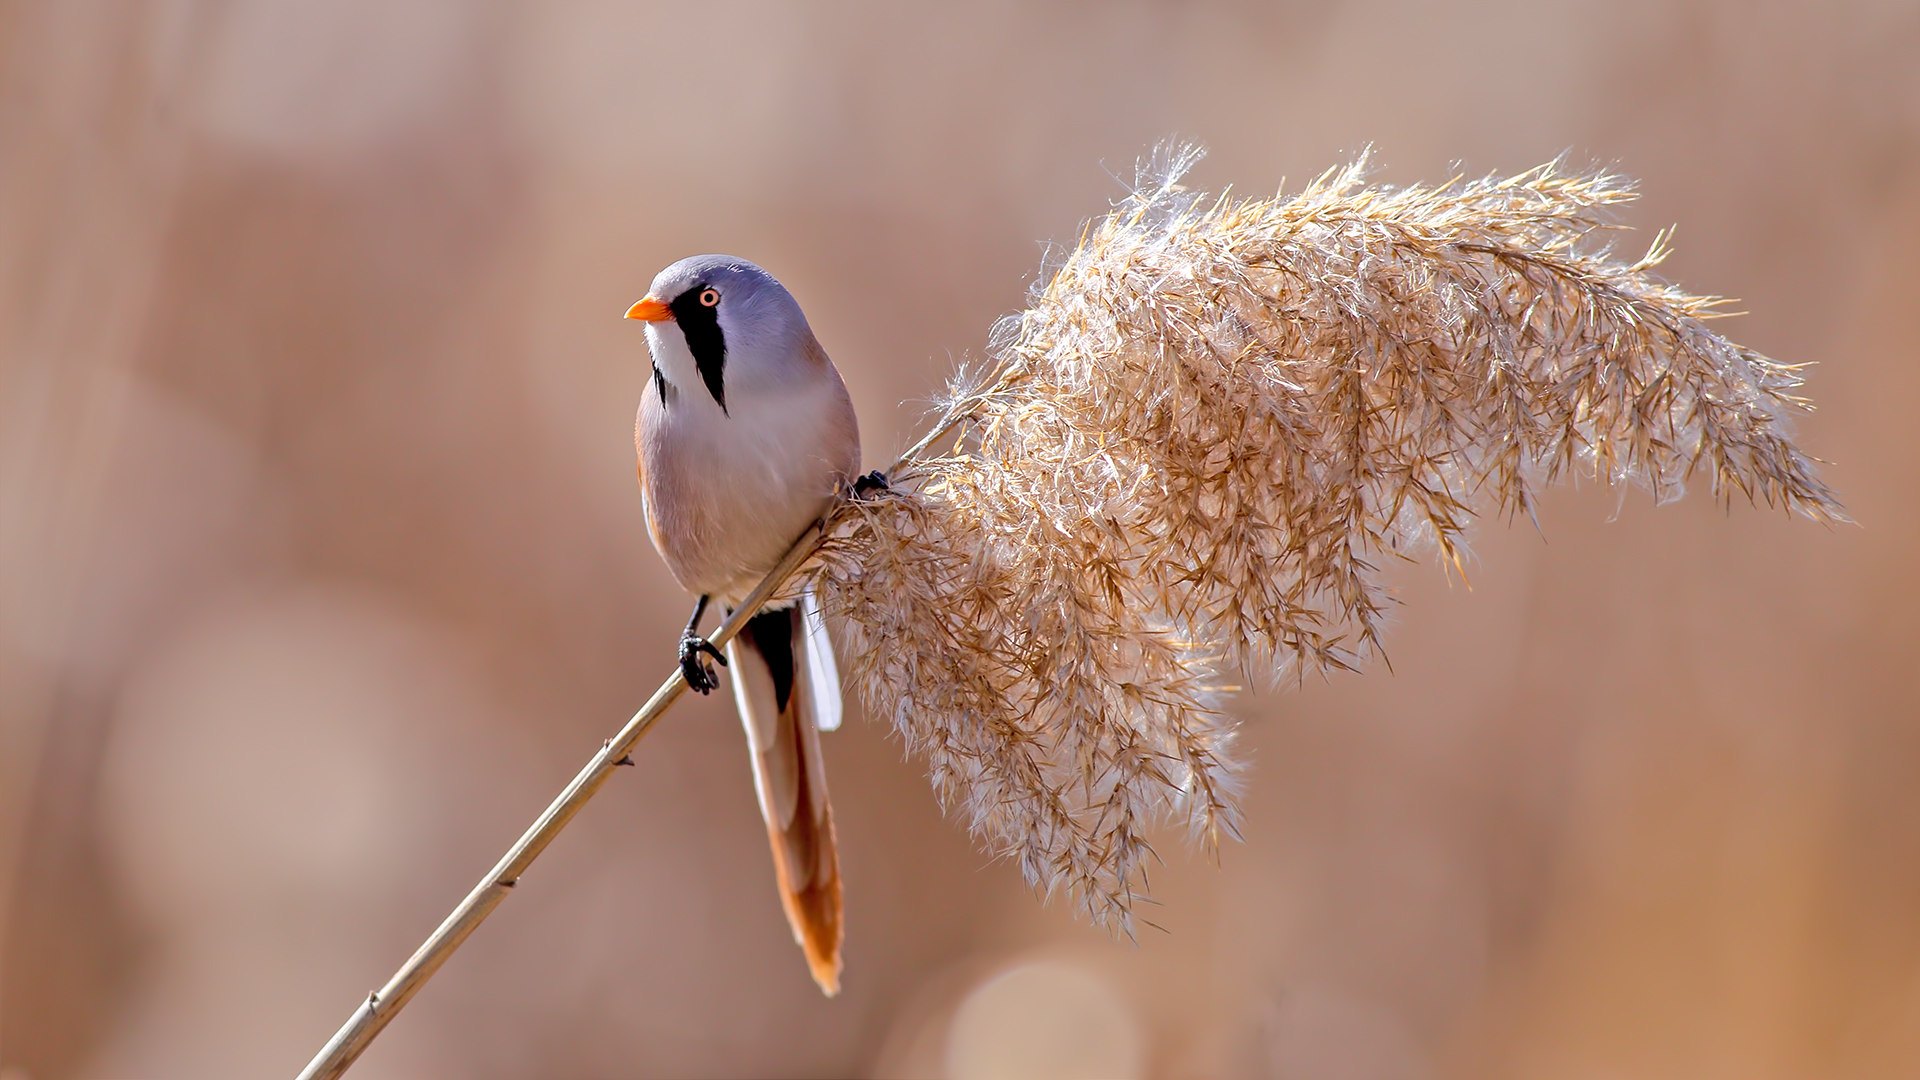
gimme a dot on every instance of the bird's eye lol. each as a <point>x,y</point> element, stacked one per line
<point>709,298</point>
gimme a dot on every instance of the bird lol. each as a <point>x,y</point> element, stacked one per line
<point>746,435</point>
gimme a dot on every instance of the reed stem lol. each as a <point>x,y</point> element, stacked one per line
<point>382,1005</point>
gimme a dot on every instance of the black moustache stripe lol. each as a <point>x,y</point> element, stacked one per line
<point>701,325</point>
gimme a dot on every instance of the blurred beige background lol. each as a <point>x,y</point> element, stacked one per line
<point>322,564</point>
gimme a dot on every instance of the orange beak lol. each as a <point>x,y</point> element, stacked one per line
<point>650,310</point>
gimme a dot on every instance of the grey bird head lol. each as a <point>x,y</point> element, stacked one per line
<point>723,326</point>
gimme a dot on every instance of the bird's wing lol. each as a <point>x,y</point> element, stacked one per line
<point>779,694</point>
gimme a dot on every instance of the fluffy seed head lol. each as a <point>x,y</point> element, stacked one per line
<point>1196,449</point>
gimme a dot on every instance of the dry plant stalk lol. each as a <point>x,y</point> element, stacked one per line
<point>1199,445</point>
<point>1195,450</point>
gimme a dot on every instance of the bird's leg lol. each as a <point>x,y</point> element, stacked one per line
<point>873,481</point>
<point>699,674</point>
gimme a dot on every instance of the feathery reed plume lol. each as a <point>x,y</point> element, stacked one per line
<point>1197,447</point>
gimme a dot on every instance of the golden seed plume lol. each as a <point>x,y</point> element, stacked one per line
<point>1200,443</point>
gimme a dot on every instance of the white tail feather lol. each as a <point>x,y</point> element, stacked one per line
<point>823,673</point>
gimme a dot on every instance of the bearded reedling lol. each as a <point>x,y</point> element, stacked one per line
<point>745,434</point>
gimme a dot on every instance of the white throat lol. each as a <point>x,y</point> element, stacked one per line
<point>675,363</point>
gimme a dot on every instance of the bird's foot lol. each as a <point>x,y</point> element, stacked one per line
<point>700,676</point>
<point>873,481</point>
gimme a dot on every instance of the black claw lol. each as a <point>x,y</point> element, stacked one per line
<point>700,676</point>
<point>873,481</point>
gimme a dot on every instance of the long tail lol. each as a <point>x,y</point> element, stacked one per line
<point>778,683</point>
